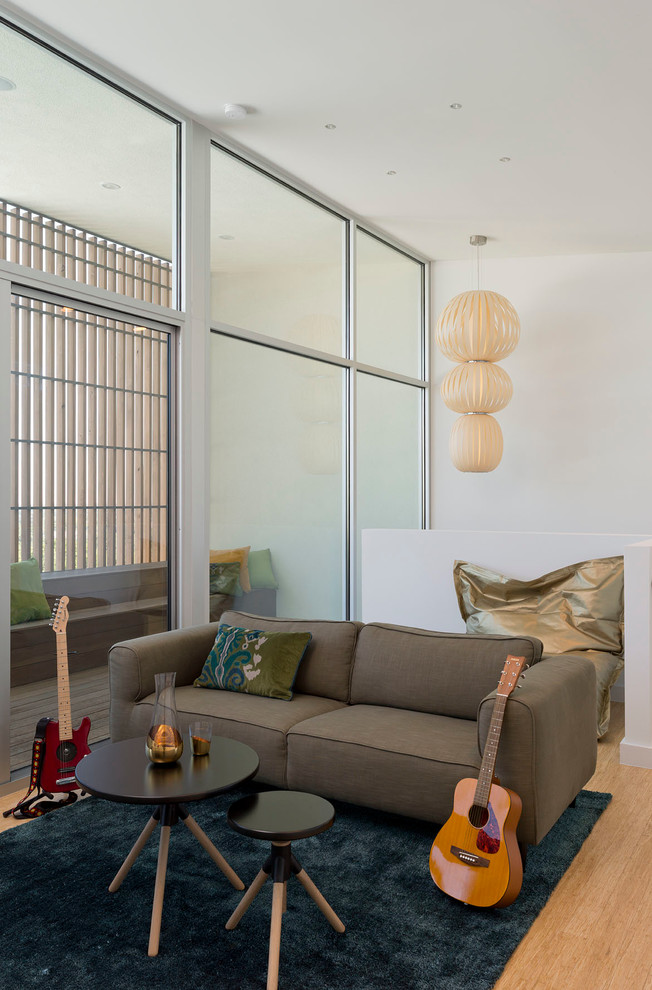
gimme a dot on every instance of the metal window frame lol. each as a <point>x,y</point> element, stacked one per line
<point>348,362</point>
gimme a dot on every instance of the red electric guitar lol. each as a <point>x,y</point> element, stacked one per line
<point>63,746</point>
<point>475,857</point>
<point>57,747</point>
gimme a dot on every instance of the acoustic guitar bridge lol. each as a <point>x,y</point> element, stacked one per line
<point>468,857</point>
<point>64,781</point>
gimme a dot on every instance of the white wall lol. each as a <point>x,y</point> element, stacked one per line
<point>577,451</point>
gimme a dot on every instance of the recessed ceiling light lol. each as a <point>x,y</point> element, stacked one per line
<point>504,159</point>
<point>456,106</point>
<point>391,172</point>
<point>6,83</point>
<point>226,237</point>
<point>330,127</point>
<point>110,185</point>
<point>234,111</point>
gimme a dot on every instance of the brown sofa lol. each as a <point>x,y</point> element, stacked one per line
<point>384,716</point>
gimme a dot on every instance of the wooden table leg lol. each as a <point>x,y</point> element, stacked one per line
<point>215,855</point>
<point>133,855</point>
<point>159,890</point>
<point>320,900</point>
<point>247,900</point>
<point>275,936</point>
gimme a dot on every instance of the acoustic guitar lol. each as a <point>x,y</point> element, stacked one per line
<point>63,746</point>
<point>475,857</point>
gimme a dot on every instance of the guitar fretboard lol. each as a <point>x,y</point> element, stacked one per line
<point>486,774</point>
<point>63,688</point>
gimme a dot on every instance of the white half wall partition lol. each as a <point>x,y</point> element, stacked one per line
<point>407,579</point>
<point>636,747</point>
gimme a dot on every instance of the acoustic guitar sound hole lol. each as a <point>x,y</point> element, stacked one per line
<point>478,816</point>
<point>66,751</point>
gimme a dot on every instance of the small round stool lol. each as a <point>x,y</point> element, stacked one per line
<point>281,817</point>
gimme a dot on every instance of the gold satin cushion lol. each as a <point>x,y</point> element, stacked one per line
<point>241,554</point>
<point>607,667</point>
<point>576,609</point>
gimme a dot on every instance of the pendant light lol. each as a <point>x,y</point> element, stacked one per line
<point>477,328</point>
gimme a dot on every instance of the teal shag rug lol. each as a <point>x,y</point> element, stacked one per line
<point>61,927</point>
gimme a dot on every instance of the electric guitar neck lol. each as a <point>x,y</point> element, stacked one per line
<point>64,746</point>
<point>63,677</point>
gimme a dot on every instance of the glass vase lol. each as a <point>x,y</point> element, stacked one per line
<point>164,742</point>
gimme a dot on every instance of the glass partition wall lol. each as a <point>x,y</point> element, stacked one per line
<point>318,392</point>
<point>88,195</point>
<point>316,358</point>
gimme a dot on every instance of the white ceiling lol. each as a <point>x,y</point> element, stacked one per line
<point>561,87</point>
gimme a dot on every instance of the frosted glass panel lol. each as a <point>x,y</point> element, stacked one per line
<point>89,189</point>
<point>389,458</point>
<point>276,472</point>
<point>388,307</point>
<point>277,258</point>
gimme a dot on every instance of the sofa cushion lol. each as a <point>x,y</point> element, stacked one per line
<point>436,672</point>
<point>400,761</point>
<point>326,666</point>
<point>254,661</point>
<point>259,722</point>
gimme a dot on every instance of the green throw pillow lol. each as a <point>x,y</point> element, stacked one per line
<point>225,579</point>
<point>27,599</point>
<point>261,574</point>
<point>254,661</point>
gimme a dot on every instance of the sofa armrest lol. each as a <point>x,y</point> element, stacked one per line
<point>548,746</point>
<point>133,664</point>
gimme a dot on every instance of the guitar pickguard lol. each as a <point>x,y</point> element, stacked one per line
<point>488,840</point>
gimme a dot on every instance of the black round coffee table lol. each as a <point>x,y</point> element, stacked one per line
<point>122,772</point>
<point>281,817</point>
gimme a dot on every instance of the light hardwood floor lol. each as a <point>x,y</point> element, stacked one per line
<point>594,932</point>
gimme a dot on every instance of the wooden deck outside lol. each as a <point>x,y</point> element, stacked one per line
<point>89,695</point>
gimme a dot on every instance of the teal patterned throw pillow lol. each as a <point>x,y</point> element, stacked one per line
<point>253,661</point>
<point>224,579</point>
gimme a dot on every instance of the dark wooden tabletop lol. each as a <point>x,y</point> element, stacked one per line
<point>122,772</point>
<point>281,816</point>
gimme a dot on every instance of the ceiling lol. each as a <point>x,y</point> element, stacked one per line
<point>560,87</point>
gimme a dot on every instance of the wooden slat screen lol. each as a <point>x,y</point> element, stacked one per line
<point>89,438</point>
<point>37,241</point>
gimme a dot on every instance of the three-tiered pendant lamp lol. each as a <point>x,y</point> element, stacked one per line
<point>477,329</point>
